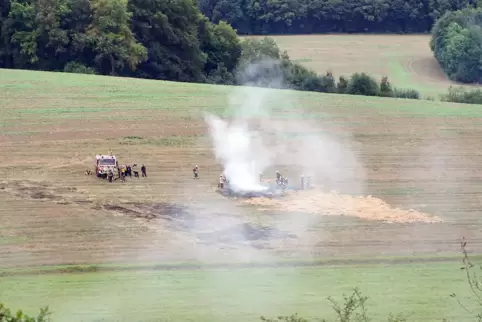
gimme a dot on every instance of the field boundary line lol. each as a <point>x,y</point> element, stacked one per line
<point>98,268</point>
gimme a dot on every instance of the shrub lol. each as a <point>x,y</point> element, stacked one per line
<point>461,95</point>
<point>220,75</point>
<point>7,316</point>
<point>329,84</point>
<point>342,85</point>
<point>385,87</point>
<point>351,309</point>
<point>406,93</point>
<point>362,84</point>
<point>78,68</point>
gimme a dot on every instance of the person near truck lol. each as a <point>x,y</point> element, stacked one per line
<point>123,173</point>
<point>110,175</point>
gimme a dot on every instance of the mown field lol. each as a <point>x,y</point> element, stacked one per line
<point>406,59</point>
<point>417,155</point>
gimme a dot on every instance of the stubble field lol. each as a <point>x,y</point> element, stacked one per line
<point>419,156</point>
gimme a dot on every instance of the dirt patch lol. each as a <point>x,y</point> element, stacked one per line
<point>31,190</point>
<point>323,203</point>
<point>123,210</point>
<point>173,213</point>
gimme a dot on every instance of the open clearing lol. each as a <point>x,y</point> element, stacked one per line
<point>406,59</point>
<point>417,155</point>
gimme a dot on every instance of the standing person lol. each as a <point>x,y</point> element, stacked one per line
<point>123,173</point>
<point>129,171</point>
<point>278,177</point>
<point>135,170</point>
<point>196,172</point>
<point>221,182</point>
<point>260,177</point>
<point>143,170</point>
<point>302,182</point>
<point>110,175</point>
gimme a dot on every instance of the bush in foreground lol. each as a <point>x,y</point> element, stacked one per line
<point>351,309</point>
<point>7,316</point>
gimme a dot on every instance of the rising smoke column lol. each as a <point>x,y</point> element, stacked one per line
<point>269,127</point>
<point>236,148</point>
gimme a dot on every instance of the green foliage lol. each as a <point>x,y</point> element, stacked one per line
<point>462,95</point>
<point>7,316</point>
<point>457,44</point>
<point>385,87</point>
<point>291,318</point>
<point>112,39</point>
<point>362,84</point>
<point>75,67</point>
<point>329,16</point>
<point>342,85</point>
<point>156,39</point>
<point>406,93</point>
<point>352,309</point>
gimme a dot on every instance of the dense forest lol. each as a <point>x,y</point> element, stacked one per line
<point>457,44</point>
<point>330,16</point>
<point>155,39</point>
<point>174,40</point>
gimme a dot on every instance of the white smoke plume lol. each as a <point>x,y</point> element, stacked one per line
<point>269,128</point>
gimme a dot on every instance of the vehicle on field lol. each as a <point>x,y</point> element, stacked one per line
<point>104,163</point>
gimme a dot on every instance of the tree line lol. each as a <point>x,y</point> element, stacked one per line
<point>165,40</point>
<point>330,16</point>
<point>156,39</point>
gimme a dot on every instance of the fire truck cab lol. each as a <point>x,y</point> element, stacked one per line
<point>104,163</point>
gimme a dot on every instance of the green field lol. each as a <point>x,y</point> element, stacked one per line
<point>420,155</point>
<point>420,291</point>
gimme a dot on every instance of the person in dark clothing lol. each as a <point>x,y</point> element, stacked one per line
<point>143,171</point>
<point>110,175</point>
<point>129,171</point>
<point>195,171</point>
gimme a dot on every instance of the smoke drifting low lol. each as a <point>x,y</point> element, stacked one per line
<point>270,128</point>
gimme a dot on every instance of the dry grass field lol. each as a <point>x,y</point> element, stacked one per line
<point>406,59</point>
<point>419,192</point>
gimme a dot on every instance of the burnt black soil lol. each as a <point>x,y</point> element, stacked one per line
<point>244,232</point>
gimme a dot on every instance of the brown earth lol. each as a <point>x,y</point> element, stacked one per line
<point>52,213</point>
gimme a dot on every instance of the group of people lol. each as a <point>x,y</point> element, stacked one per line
<point>124,171</point>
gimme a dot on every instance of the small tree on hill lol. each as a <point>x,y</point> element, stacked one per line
<point>385,87</point>
<point>362,84</point>
<point>342,84</point>
<point>329,82</point>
